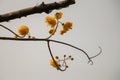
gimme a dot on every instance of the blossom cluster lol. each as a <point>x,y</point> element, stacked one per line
<point>53,21</point>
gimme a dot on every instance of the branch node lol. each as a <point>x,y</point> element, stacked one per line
<point>43,4</point>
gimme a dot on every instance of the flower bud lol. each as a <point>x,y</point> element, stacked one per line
<point>52,31</point>
<point>58,15</point>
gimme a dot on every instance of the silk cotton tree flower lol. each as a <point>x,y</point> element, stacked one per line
<point>66,27</point>
<point>23,30</point>
<point>50,21</point>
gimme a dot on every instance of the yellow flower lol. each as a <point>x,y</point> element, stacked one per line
<point>53,64</point>
<point>23,30</point>
<point>58,15</point>
<point>52,31</point>
<point>50,21</point>
<point>62,31</point>
<point>67,25</point>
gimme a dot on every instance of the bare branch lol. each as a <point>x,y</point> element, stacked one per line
<point>55,41</point>
<point>47,8</point>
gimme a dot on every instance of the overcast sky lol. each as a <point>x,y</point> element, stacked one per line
<point>95,23</point>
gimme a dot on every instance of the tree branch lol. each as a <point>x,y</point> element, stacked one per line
<point>55,41</point>
<point>47,8</point>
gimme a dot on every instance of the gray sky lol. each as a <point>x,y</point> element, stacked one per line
<point>95,23</point>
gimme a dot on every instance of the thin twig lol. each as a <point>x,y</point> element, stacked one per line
<point>11,31</point>
<point>97,54</point>
<point>54,30</point>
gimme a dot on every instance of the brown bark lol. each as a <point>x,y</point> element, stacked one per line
<point>47,8</point>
